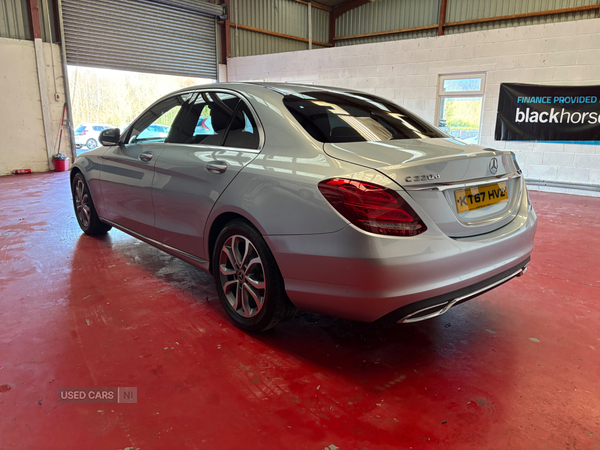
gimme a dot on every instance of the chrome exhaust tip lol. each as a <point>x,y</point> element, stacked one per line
<point>441,308</point>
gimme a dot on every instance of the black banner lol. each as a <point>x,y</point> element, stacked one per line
<point>528,112</point>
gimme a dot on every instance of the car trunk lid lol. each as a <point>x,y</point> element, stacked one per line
<point>464,189</point>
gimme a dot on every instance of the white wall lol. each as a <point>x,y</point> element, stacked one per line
<point>407,72</point>
<point>22,142</point>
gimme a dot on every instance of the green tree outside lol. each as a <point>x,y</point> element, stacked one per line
<point>115,97</point>
<point>462,113</point>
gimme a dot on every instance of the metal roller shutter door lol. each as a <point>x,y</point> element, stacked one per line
<point>175,37</point>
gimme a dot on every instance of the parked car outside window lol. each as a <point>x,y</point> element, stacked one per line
<point>86,135</point>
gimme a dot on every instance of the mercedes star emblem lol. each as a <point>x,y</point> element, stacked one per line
<point>494,166</point>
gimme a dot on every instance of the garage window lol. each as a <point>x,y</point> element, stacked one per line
<point>460,101</point>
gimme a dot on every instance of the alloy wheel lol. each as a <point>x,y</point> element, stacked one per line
<point>82,203</point>
<point>242,276</point>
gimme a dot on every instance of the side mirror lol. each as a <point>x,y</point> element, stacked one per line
<point>109,137</point>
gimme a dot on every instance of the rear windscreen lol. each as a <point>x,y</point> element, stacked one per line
<point>355,117</point>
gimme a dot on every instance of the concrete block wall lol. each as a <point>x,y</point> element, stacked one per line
<point>23,145</point>
<point>407,72</point>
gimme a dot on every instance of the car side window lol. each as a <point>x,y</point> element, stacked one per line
<point>216,119</point>
<point>155,124</point>
<point>243,132</point>
<point>206,119</point>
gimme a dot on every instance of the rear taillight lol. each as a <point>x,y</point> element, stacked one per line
<point>84,132</point>
<point>371,207</point>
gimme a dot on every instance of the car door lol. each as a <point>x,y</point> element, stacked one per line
<point>203,154</point>
<point>128,169</point>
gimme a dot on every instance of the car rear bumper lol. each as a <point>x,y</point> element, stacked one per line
<point>361,276</point>
<point>436,306</point>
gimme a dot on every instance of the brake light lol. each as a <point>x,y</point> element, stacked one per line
<point>84,132</point>
<point>372,207</point>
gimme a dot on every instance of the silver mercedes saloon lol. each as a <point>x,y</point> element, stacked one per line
<point>298,196</point>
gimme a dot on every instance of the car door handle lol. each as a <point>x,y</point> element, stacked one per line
<point>145,156</point>
<point>216,166</point>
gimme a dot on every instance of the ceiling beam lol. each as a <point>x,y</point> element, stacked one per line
<point>316,5</point>
<point>385,33</point>
<point>33,9</point>
<point>442,20</point>
<point>345,7</point>
<point>225,35</point>
<point>550,12</point>
<point>332,29</point>
<point>274,33</point>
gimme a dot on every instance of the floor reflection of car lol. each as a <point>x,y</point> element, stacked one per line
<point>326,199</point>
<point>86,135</point>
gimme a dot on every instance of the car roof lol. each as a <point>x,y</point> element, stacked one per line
<point>280,88</point>
<point>297,88</point>
<point>260,90</point>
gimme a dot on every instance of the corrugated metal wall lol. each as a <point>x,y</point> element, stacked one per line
<point>47,24</point>
<point>460,10</point>
<point>290,17</point>
<point>14,20</point>
<point>247,43</point>
<point>320,25</point>
<point>280,16</point>
<point>387,15</point>
<point>250,43</point>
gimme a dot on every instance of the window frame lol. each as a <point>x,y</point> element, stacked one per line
<point>460,94</point>
<point>238,108</point>
<point>261,134</point>
<point>229,122</point>
<point>257,121</point>
<point>126,136</point>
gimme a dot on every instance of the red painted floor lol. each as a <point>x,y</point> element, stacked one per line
<point>518,367</point>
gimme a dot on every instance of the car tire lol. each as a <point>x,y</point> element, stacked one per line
<point>249,283</point>
<point>85,212</point>
<point>91,144</point>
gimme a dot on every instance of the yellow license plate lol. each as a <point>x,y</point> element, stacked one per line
<point>479,197</point>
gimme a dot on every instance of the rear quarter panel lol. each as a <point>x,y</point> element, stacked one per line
<point>278,191</point>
